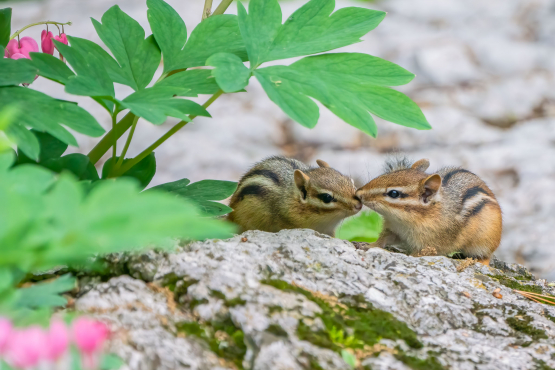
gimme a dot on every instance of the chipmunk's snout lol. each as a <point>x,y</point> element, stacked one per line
<point>358,204</point>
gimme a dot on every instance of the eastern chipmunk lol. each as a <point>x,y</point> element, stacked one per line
<point>281,193</point>
<point>451,210</point>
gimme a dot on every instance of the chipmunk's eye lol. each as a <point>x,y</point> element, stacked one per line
<point>393,194</point>
<point>325,197</point>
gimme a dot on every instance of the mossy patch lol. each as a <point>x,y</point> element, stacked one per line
<point>277,331</point>
<point>415,363</point>
<point>513,284</point>
<point>177,284</point>
<point>237,301</point>
<point>541,365</point>
<point>521,323</point>
<point>224,338</point>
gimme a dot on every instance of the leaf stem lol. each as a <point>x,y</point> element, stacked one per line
<point>207,9</point>
<point>106,142</point>
<point>115,141</point>
<point>127,166</point>
<point>222,7</point>
<point>38,24</point>
<point>127,143</point>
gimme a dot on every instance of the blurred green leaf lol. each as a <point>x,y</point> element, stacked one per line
<point>50,148</point>
<point>348,84</point>
<point>46,294</point>
<point>230,72</point>
<point>46,114</point>
<point>111,362</point>
<point>16,71</point>
<point>349,358</point>
<point>309,30</point>
<point>202,193</point>
<point>138,57</point>
<point>143,171</point>
<point>197,81</point>
<point>5,26</point>
<point>169,31</point>
<point>365,227</point>
<point>76,163</point>
<point>51,67</point>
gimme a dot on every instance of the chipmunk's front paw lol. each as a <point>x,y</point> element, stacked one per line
<point>364,246</point>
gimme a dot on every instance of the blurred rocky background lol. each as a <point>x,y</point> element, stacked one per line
<point>485,79</point>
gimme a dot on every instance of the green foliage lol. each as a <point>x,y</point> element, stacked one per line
<point>365,227</point>
<point>45,294</point>
<point>513,284</point>
<point>203,193</point>
<point>349,358</point>
<point>50,148</point>
<point>230,72</point>
<point>5,26</point>
<point>521,323</point>
<point>143,171</point>
<point>16,71</point>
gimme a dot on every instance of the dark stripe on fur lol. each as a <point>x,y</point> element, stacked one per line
<point>266,173</point>
<point>252,190</point>
<point>472,192</point>
<point>451,174</point>
<point>478,208</point>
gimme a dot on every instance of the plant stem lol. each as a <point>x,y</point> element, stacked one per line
<point>127,143</point>
<point>222,7</point>
<point>115,141</point>
<point>37,24</point>
<point>127,166</point>
<point>207,9</point>
<point>106,142</point>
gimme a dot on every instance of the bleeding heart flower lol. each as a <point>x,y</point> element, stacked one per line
<point>26,347</point>
<point>26,45</point>
<point>57,341</point>
<point>89,336</point>
<point>62,38</point>
<point>6,329</point>
<point>46,42</point>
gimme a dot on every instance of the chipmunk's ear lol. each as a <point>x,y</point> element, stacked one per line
<point>301,180</point>
<point>421,165</point>
<point>430,187</point>
<point>322,164</point>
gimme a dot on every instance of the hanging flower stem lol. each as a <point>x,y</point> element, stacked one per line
<point>38,24</point>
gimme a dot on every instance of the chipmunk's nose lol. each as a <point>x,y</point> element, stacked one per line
<point>358,205</point>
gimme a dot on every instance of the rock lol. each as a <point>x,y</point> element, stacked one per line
<point>297,299</point>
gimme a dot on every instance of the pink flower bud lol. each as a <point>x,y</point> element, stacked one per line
<point>26,45</point>
<point>62,38</point>
<point>46,42</point>
<point>6,329</point>
<point>89,336</point>
<point>57,341</point>
<point>26,347</point>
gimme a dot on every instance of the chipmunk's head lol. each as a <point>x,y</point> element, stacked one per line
<point>329,195</point>
<point>403,192</point>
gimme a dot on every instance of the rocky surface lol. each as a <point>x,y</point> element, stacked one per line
<point>485,76</point>
<point>301,300</point>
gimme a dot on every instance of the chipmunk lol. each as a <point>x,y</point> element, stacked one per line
<point>451,210</point>
<point>281,193</point>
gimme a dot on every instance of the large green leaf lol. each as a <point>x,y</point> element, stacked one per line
<point>138,57</point>
<point>51,67</point>
<point>157,103</point>
<point>76,163</point>
<point>46,294</point>
<point>169,31</point>
<point>197,81</point>
<point>143,171</point>
<point>91,79</point>
<point>365,227</point>
<point>50,148</point>
<point>5,26</point>
<point>311,29</point>
<point>16,71</point>
<point>230,72</point>
<point>203,193</point>
<point>349,84</point>
<point>46,114</point>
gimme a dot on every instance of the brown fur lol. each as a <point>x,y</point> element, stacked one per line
<point>451,210</point>
<point>280,193</point>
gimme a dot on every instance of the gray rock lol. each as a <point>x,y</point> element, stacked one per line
<point>267,304</point>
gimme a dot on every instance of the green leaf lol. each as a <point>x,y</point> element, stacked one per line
<point>143,171</point>
<point>349,358</point>
<point>91,79</point>
<point>230,72</point>
<point>15,72</point>
<point>348,84</point>
<point>76,163</point>
<point>26,142</point>
<point>365,227</point>
<point>51,67</point>
<point>157,103</point>
<point>46,294</point>
<point>111,362</point>
<point>202,193</point>
<point>138,57</point>
<point>197,81</point>
<point>169,31</point>
<point>5,26</point>
<point>46,114</point>
<point>50,148</point>
<point>309,30</point>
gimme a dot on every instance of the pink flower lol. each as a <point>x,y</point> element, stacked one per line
<point>57,341</point>
<point>46,42</point>
<point>26,45</point>
<point>6,329</point>
<point>89,336</point>
<point>62,38</point>
<point>6,54</point>
<point>26,347</point>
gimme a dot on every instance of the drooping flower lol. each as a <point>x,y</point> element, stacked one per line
<point>25,348</point>
<point>6,329</point>
<point>62,38</point>
<point>57,341</point>
<point>89,336</point>
<point>25,46</point>
<point>46,42</point>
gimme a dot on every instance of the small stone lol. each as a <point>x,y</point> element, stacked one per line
<point>466,294</point>
<point>244,240</point>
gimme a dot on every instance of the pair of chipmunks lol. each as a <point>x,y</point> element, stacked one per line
<point>451,210</point>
